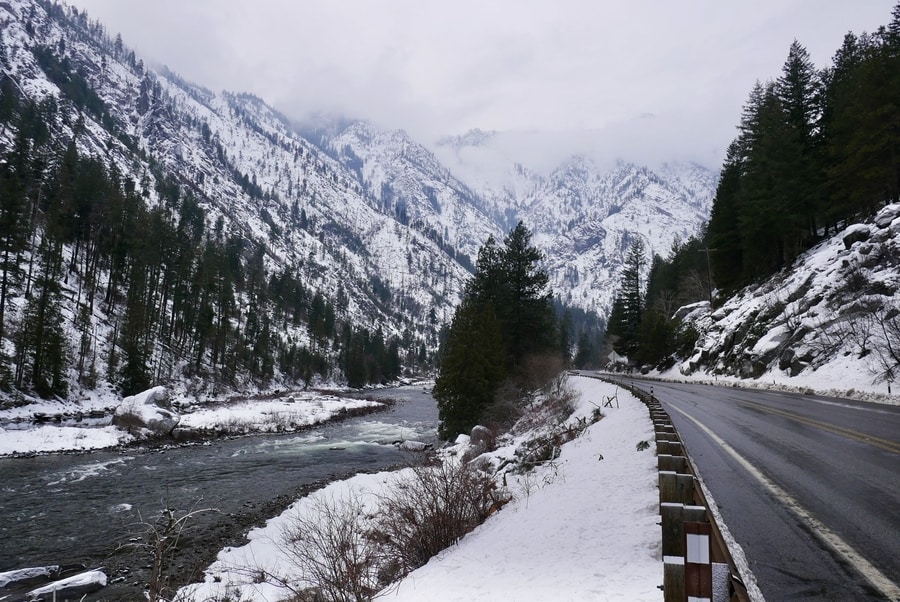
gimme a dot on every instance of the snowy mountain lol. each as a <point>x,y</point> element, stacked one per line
<point>369,219</point>
<point>409,182</point>
<point>583,217</point>
<point>586,220</point>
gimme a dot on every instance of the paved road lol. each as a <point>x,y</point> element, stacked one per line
<point>809,486</point>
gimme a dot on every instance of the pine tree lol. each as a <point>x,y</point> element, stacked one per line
<point>527,319</point>
<point>14,173</point>
<point>723,230</point>
<point>565,336</point>
<point>506,316</point>
<point>801,176</point>
<point>511,280</point>
<point>471,368</point>
<point>135,374</point>
<point>625,317</point>
<point>41,352</point>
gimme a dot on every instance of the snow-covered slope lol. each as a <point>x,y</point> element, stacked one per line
<point>249,168</point>
<point>586,219</point>
<point>830,321</point>
<point>583,216</point>
<point>406,180</point>
<point>370,219</point>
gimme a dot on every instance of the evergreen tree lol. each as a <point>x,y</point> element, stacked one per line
<point>511,280</point>
<point>565,336</point>
<point>625,318</point>
<point>584,353</point>
<point>14,174</point>
<point>798,90</point>
<point>723,232</point>
<point>527,319</point>
<point>506,315</point>
<point>471,368</point>
<point>41,351</point>
<point>135,374</point>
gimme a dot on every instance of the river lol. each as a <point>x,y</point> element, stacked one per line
<point>62,509</point>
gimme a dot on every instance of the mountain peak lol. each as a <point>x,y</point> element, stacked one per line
<point>474,137</point>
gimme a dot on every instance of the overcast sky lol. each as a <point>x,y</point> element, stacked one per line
<point>645,80</point>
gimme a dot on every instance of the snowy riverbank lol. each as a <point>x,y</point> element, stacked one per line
<point>582,527</point>
<point>47,427</point>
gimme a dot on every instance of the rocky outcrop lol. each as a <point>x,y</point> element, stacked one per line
<point>837,303</point>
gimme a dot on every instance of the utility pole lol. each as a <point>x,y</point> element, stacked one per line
<point>707,250</point>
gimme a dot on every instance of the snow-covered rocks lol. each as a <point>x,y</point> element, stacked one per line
<point>144,413</point>
<point>416,446</point>
<point>73,587</point>
<point>827,322</point>
<point>28,575</point>
<point>856,233</point>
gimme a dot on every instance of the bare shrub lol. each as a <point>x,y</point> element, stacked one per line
<point>432,510</point>
<point>561,402</point>
<point>505,409</point>
<point>346,553</point>
<point>160,537</point>
<point>887,343</point>
<point>332,548</point>
<point>539,371</point>
<point>537,451</point>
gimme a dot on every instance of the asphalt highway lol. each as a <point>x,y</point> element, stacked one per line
<point>809,486</point>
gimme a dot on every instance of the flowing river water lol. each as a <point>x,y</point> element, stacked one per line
<point>87,509</point>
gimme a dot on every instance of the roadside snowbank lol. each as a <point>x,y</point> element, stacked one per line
<point>583,527</point>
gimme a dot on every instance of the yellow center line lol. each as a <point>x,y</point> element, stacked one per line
<point>885,444</point>
<point>879,580</point>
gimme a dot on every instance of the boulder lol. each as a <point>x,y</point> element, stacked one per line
<point>483,438</point>
<point>856,233</point>
<point>887,215</point>
<point>145,413</point>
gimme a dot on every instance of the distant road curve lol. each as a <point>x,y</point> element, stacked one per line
<point>809,486</point>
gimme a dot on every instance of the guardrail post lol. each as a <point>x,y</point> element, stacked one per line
<point>666,435</point>
<point>672,459</point>
<point>673,579</point>
<point>674,487</point>
<point>698,586</point>
<point>677,464</point>
<point>673,448</point>
<point>673,517</point>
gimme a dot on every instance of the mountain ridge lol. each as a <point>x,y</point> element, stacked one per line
<point>370,219</point>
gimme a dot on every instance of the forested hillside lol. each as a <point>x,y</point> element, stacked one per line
<point>155,233</point>
<point>818,150</point>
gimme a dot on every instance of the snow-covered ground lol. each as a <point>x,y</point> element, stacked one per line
<point>19,435</point>
<point>582,527</point>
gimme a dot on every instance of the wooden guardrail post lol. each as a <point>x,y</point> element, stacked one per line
<point>698,582</point>
<point>677,488</point>
<point>673,579</point>
<point>673,448</point>
<point>673,516</point>
<point>674,463</point>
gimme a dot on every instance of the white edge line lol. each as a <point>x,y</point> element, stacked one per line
<point>878,579</point>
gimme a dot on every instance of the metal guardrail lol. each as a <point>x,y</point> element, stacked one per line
<point>697,563</point>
